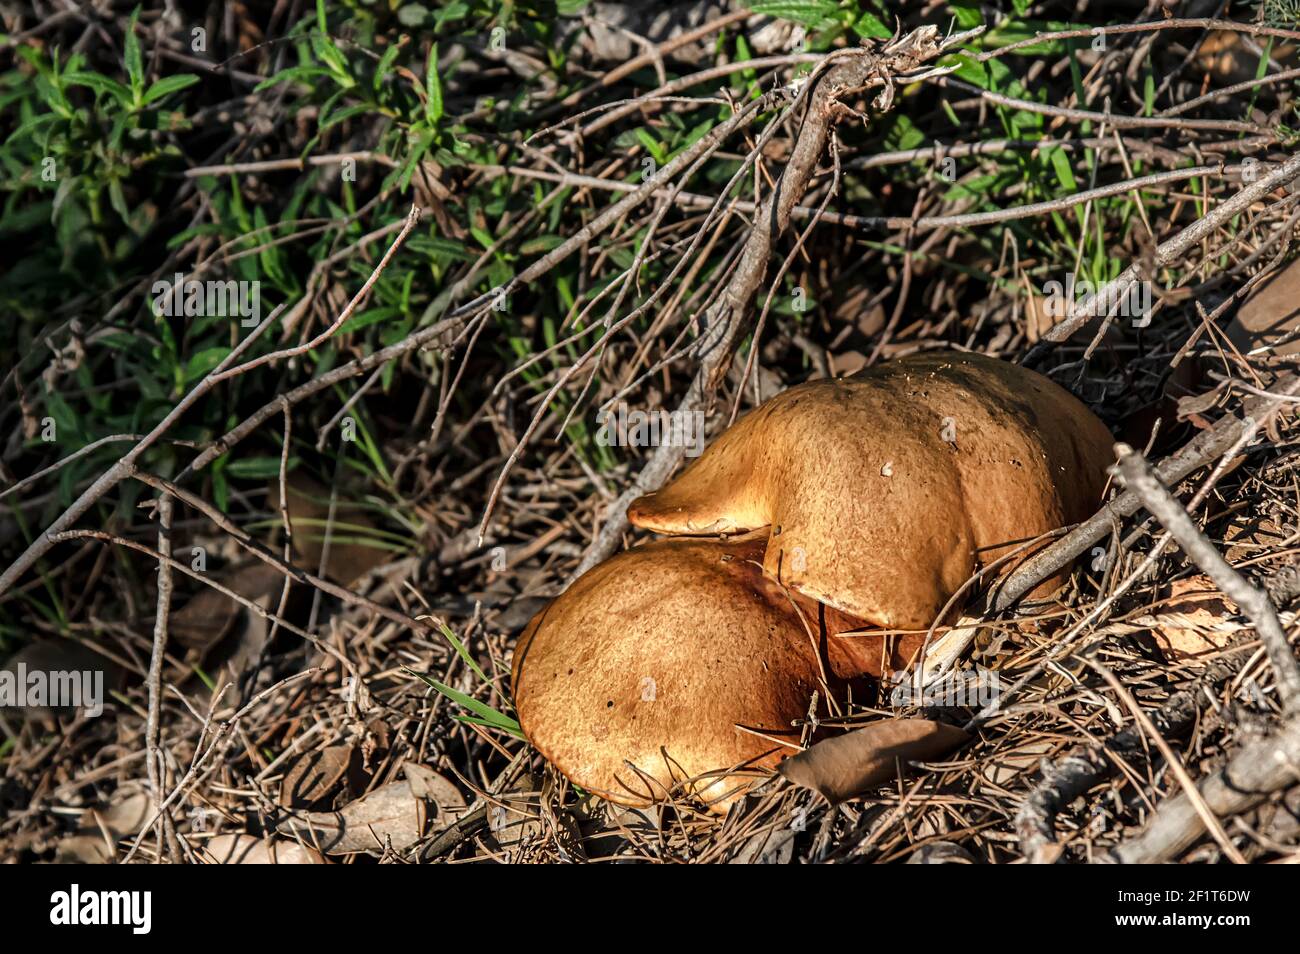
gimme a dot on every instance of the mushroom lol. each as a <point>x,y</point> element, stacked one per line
<point>885,490</point>
<point>672,664</point>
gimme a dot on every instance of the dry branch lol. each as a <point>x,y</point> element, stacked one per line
<point>1138,476</point>
<point>724,323</point>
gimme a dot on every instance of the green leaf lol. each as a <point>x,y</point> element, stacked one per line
<point>871,25</point>
<point>814,14</point>
<point>346,113</point>
<point>652,145</point>
<point>1061,166</point>
<point>489,716</point>
<point>968,17</point>
<point>433,86</point>
<point>462,651</point>
<point>258,468</point>
<point>369,317</point>
<point>968,68</point>
<point>300,73</point>
<point>543,243</point>
<point>204,361</point>
<point>169,84</point>
<point>134,62</point>
<point>100,84</point>
<point>386,64</point>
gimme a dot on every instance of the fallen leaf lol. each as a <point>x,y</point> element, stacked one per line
<point>315,775</point>
<point>400,813</point>
<point>849,764</point>
<point>1194,621</point>
<point>1011,761</point>
<point>243,849</point>
<point>1038,317</point>
<point>124,814</point>
<point>871,322</point>
<point>58,655</point>
<point>210,615</point>
<point>846,363</point>
<point>389,814</point>
<point>436,788</point>
<point>1222,54</point>
<point>1229,58</point>
<point>768,847</point>
<point>1270,311</point>
<point>515,820</point>
<point>941,853</point>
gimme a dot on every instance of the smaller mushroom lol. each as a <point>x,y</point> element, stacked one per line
<point>670,665</point>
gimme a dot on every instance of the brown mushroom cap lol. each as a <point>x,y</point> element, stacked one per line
<point>872,508</point>
<point>653,658</point>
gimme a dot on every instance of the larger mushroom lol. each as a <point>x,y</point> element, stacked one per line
<point>885,490</point>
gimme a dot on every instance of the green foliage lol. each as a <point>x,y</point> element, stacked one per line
<point>423,91</point>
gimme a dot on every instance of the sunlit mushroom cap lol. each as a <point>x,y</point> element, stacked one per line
<point>885,490</point>
<point>668,665</point>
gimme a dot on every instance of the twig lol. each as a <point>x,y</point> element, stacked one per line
<point>118,472</point>
<point>1137,475</point>
<point>1173,23</point>
<point>412,217</point>
<point>1066,778</point>
<point>919,223</point>
<point>1206,814</point>
<point>1257,770</point>
<point>1113,120</point>
<point>201,756</point>
<point>279,165</point>
<point>153,757</point>
<point>266,556</point>
<point>1104,300</point>
<point>723,323</point>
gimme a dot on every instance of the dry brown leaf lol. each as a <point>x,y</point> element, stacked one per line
<point>1038,319</point>
<point>1271,310</point>
<point>210,615</point>
<point>1007,763</point>
<point>315,775</point>
<point>847,765</point>
<point>58,654</point>
<point>92,844</point>
<point>436,788</point>
<point>515,822</point>
<point>242,849</point>
<point>399,813</point>
<point>767,847</point>
<point>872,322</point>
<point>1194,621</point>
<point>846,362</point>
<point>350,556</point>
<point>1228,56</point>
<point>941,853</point>
<point>389,814</point>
